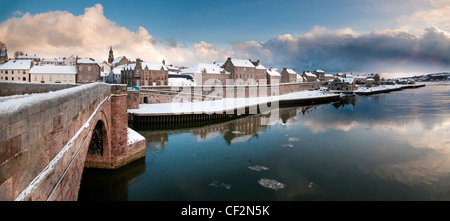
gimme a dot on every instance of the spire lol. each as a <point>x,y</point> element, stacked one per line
<point>111,55</point>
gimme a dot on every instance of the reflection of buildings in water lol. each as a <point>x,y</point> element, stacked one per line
<point>233,132</point>
<point>156,138</point>
<point>345,101</point>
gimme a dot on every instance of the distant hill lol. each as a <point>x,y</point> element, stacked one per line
<point>444,76</point>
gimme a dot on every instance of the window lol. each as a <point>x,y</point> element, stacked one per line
<point>35,78</point>
<point>6,78</point>
<point>24,79</point>
<point>23,72</point>
<point>89,68</point>
<point>6,72</point>
<point>81,68</point>
<point>12,78</point>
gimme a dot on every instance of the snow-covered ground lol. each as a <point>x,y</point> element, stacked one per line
<point>133,136</point>
<point>222,105</point>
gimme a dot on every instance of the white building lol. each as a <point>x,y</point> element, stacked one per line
<point>16,70</point>
<point>53,74</point>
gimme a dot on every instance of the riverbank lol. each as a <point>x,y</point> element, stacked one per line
<point>223,108</point>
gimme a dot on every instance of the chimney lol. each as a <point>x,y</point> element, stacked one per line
<point>164,62</point>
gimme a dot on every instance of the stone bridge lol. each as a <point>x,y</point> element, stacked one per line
<point>46,139</point>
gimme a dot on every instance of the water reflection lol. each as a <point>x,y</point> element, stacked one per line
<point>392,146</point>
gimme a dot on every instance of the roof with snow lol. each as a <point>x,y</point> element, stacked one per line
<point>16,65</point>
<point>309,74</point>
<point>201,67</point>
<point>320,71</point>
<point>28,57</point>
<point>52,59</point>
<point>86,61</point>
<point>273,72</point>
<point>117,60</point>
<point>242,63</point>
<point>290,71</point>
<point>154,66</point>
<point>52,69</point>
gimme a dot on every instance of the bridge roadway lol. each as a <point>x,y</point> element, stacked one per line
<point>47,139</point>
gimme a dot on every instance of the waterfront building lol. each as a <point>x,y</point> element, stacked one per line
<point>273,76</point>
<point>61,61</point>
<point>288,75</point>
<point>343,84</point>
<point>310,77</point>
<point>88,71</point>
<point>246,71</point>
<point>16,71</point>
<point>207,74</point>
<point>145,74</point>
<point>53,74</point>
<point>320,74</point>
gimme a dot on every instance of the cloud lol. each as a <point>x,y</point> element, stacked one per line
<point>389,50</point>
<point>60,33</point>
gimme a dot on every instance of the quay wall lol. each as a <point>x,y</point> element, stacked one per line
<point>168,94</point>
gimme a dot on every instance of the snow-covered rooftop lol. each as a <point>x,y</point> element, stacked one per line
<point>309,74</point>
<point>117,59</point>
<point>16,65</point>
<point>242,63</point>
<point>85,61</point>
<point>320,71</point>
<point>260,66</point>
<point>273,72</point>
<point>52,59</point>
<point>52,69</point>
<point>201,67</point>
<point>153,66</point>
<point>290,71</point>
<point>27,57</point>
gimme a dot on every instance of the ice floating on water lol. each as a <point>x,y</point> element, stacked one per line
<point>258,168</point>
<point>287,145</point>
<point>312,185</point>
<point>292,139</point>
<point>217,184</point>
<point>271,184</point>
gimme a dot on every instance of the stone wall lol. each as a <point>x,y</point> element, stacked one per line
<point>167,94</point>
<point>40,136</point>
<point>13,88</point>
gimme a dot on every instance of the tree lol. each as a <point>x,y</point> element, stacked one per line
<point>18,53</point>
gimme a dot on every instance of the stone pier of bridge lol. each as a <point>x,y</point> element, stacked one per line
<point>47,138</point>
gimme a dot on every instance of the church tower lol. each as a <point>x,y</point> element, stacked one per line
<point>111,56</point>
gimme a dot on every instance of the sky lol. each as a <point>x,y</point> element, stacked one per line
<point>392,37</point>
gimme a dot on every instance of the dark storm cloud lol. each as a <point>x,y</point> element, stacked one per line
<point>341,51</point>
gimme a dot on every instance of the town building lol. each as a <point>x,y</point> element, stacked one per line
<point>207,74</point>
<point>310,77</point>
<point>320,74</point>
<point>145,74</point>
<point>342,84</point>
<point>88,71</point>
<point>288,75</point>
<point>61,61</point>
<point>16,71</point>
<point>273,76</point>
<point>53,74</point>
<point>245,71</point>
<point>35,59</point>
<point>3,53</point>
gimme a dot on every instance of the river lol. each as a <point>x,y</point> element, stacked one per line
<point>388,146</point>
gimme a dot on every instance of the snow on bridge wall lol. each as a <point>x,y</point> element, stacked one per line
<point>44,140</point>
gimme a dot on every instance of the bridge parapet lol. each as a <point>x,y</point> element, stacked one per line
<point>45,138</point>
